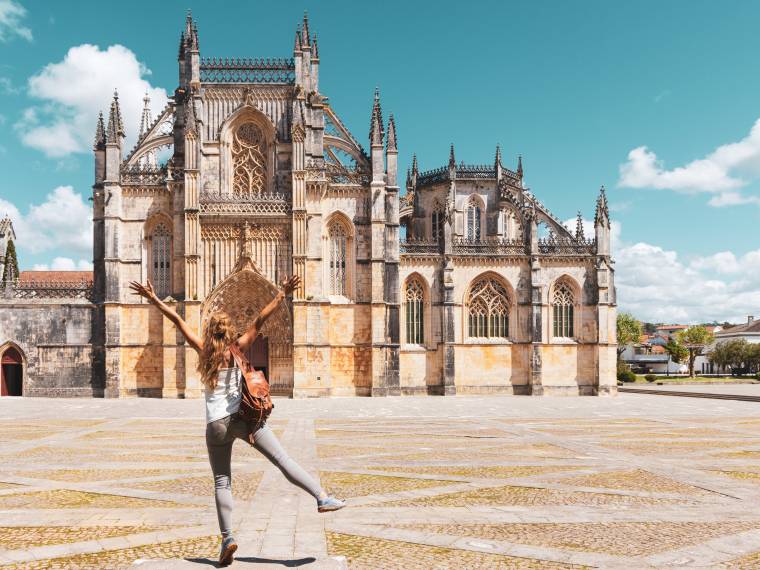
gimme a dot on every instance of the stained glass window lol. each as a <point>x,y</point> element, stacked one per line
<point>338,253</point>
<point>563,311</point>
<point>437,224</point>
<point>415,312</point>
<point>473,221</point>
<point>161,244</point>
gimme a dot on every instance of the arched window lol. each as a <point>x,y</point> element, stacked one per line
<point>437,224</point>
<point>488,310</point>
<point>161,251</point>
<point>249,167</point>
<point>415,306</point>
<point>510,225</point>
<point>473,221</point>
<point>338,253</point>
<point>563,311</point>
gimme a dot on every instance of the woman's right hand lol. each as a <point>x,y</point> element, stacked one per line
<point>145,291</point>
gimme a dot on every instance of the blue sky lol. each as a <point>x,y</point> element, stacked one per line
<point>577,88</point>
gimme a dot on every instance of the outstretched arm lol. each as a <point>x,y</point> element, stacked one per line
<point>287,286</point>
<point>146,291</point>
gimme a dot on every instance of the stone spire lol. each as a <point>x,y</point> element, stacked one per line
<point>314,49</point>
<point>376,132</point>
<point>408,178</point>
<point>191,33</point>
<point>452,160</point>
<point>415,170</point>
<point>579,227</point>
<point>100,133</point>
<point>306,37</point>
<point>497,160</point>
<point>392,134</point>
<point>298,44</point>
<point>146,120</point>
<point>115,131</point>
<point>602,224</point>
<point>519,167</point>
<point>602,214</point>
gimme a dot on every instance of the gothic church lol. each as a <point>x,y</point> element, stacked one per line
<point>463,284</point>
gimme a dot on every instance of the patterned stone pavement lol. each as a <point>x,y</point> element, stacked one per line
<point>630,482</point>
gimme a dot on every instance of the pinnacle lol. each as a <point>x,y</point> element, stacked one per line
<point>392,133</point>
<point>376,131</point>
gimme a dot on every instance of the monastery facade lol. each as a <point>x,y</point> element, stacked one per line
<point>464,283</point>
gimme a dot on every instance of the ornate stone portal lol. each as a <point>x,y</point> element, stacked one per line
<point>242,295</point>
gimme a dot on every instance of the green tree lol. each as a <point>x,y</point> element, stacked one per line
<point>753,357</point>
<point>721,355</point>
<point>676,351</point>
<point>11,263</point>
<point>628,331</point>
<point>694,339</point>
<point>738,354</point>
<point>650,328</point>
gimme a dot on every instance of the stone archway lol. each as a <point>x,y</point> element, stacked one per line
<point>11,371</point>
<point>242,295</point>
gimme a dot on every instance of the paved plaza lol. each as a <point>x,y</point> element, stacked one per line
<point>636,481</point>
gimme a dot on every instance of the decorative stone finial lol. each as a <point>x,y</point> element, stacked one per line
<point>392,134</point>
<point>376,131</point>
<point>602,214</point>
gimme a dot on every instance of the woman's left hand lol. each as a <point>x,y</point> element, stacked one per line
<point>290,284</point>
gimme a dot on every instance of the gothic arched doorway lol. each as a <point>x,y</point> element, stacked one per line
<point>242,295</point>
<point>11,373</point>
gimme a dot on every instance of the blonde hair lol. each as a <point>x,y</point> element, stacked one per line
<point>218,335</point>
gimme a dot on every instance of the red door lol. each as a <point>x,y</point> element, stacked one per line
<point>258,355</point>
<point>11,373</point>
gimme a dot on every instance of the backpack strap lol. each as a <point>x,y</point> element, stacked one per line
<point>240,359</point>
<point>256,381</point>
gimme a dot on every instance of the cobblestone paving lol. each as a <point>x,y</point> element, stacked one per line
<point>243,486</point>
<point>749,562</point>
<point>630,539</point>
<point>495,482</point>
<point>526,496</point>
<point>633,480</point>
<point>485,472</point>
<point>357,485</point>
<point>753,476</point>
<point>371,554</point>
<point>84,475</point>
<point>13,536</point>
<point>67,499</point>
<point>204,546</point>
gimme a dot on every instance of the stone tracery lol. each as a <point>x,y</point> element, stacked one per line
<point>248,159</point>
<point>563,302</point>
<point>488,310</point>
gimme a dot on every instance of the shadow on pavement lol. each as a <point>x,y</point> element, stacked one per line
<point>256,560</point>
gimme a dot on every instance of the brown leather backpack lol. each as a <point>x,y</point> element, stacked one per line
<point>256,403</point>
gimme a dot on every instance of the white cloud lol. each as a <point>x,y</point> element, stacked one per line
<point>723,172</point>
<point>11,14</point>
<point>60,224</point>
<point>75,89</point>
<point>657,285</point>
<point>732,199</point>
<point>7,87</point>
<point>64,264</point>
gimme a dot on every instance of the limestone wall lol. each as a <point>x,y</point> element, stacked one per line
<point>55,341</point>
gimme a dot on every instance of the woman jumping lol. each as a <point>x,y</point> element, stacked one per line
<point>221,378</point>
